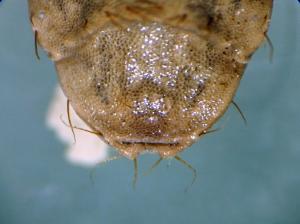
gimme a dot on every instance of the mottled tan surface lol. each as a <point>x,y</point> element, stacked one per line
<point>150,75</point>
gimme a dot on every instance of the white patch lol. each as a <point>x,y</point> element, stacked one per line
<point>89,150</point>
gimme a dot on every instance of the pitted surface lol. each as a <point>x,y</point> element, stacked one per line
<point>150,75</point>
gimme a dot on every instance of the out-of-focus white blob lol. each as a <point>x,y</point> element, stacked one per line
<point>89,150</point>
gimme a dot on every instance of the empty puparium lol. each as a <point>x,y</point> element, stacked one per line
<point>150,75</point>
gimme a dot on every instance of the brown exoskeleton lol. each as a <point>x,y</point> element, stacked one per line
<point>150,75</point>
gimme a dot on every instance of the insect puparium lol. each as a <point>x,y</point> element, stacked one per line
<point>150,75</point>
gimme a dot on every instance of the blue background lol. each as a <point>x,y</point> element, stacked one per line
<point>246,174</point>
